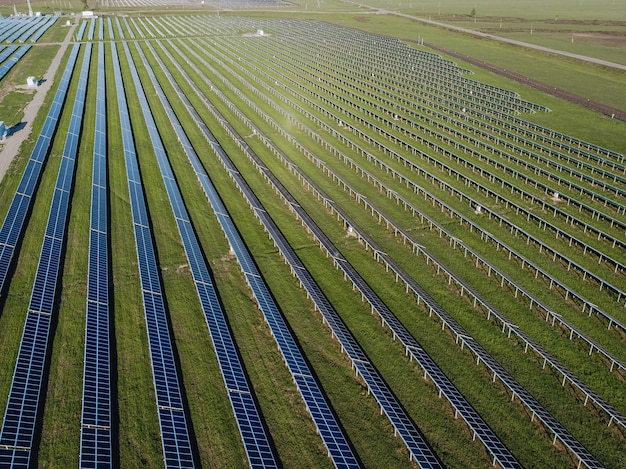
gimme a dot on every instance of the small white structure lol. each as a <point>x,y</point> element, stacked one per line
<point>88,14</point>
<point>259,32</point>
<point>32,82</point>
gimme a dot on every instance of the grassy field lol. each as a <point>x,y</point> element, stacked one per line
<point>293,434</point>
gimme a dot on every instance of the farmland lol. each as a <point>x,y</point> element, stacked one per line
<point>378,233</point>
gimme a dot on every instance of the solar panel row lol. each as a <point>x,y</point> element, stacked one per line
<point>95,442</point>
<point>15,28</point>
<point>22,407</point>
<point>120,32</point>
<point>175,438</point>
<point>256,441</point>
<point>328,428</point>
<point>35,37</point>
<point>81,30</point>
<point>13,224</point>
<point>92,27</point>
<point>9,63</point>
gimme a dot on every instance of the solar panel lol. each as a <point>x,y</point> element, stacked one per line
<point>22,406</point>
<point>81,30</point>
<point>95,443</point>
<point>13,224</point>
<point>4,69</point>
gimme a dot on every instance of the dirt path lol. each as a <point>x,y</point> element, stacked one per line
<point>10,148</point>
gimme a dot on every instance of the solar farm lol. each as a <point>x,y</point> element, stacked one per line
<point>237,241</point>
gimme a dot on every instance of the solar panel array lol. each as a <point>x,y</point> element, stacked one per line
<point>13,224</point>
<point>15,27</point>
<point>414,440</point>
<point>612,361</point>
<point>255,439</point>
<point>279,75</point>
<point>559,431</point>
<point>81,30</point>
<point>95,435</point>
<point>9,63</point>
<point>581,452</point>
<point>36,30</point>
<point>335,441</point>
<point>22,411</point>
<point>494,445</point>
<point>175,440</point>
<point>336,101</point>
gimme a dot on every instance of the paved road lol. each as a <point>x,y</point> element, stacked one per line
<point>10,149</point>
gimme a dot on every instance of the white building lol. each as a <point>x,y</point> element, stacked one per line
<point>32,82</point>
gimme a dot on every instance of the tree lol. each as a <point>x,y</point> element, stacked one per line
<point>473,13</point>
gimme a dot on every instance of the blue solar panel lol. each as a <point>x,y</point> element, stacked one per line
<point>81,31</point>
<point>119,28</point>
<point>177,449</point>
<point>92,26</point>
<point>10,231</point>
<point>21,411</point>
<point>6,52</point>
<point>22,406</point>
<point>8,65</point>
<point>96,445</point>
<point>95,448</point>
<point>13,224</point>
